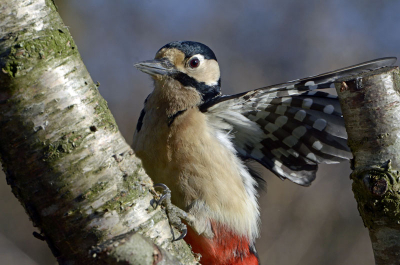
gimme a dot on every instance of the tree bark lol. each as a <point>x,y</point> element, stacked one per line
<point>63,155</point>
<point>371,109</point>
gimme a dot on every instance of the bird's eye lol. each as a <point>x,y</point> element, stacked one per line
<point>194,63</point>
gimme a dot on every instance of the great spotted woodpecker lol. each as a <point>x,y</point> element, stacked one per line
<point>196,141</point>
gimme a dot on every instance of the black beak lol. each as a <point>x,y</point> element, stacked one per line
<point>156,67</point>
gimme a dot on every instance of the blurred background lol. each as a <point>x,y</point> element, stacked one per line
<point>257,43</point>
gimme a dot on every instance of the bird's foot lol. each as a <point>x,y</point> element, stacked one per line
<point>174,213</point>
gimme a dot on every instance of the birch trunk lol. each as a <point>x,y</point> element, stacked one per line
<point>63,155</point>
<point>371,109</point>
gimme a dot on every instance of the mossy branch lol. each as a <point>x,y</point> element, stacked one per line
<point>63,155</point>
<point>371,109</point>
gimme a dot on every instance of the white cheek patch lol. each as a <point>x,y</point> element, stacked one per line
<point>207,72</point>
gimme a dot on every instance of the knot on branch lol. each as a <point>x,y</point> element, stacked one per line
<point>377,181</point>
<point>379,187</point>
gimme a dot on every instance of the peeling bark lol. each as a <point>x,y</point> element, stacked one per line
<point>371,109</point>
<point>63,155</point>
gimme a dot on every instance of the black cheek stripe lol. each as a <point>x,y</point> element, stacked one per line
<point>206,91</point>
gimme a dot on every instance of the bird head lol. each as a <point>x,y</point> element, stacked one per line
<point>192,64</point>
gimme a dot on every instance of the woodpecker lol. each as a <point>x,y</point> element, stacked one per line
<point>196,141</point>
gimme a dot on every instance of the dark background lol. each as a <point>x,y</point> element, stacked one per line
<point>257,43</point>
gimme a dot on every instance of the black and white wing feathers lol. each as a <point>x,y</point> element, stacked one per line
<point>291,127</point>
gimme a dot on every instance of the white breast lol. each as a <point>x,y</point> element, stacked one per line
<point>198,162</point>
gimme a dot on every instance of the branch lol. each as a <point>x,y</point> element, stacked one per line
<point>63,155</point>
<point>371,109</point>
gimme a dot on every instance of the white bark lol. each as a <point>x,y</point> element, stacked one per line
<point>63,155</point>
<point>371,109</point>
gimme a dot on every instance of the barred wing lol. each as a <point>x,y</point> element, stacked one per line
<point>289,128</point>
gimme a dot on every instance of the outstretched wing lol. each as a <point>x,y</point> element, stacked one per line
<point>291,127</point>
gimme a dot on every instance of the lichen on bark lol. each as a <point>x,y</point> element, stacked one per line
<point>60,147</point>
<point>371,107</point>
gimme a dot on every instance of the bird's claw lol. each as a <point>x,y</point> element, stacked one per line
<point>161,185</point>
<point>166,193</point>
<point>172,211</point>
<point>183,234</point>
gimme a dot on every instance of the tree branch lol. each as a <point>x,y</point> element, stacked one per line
<point>371,109</point>
<point>63,155</point>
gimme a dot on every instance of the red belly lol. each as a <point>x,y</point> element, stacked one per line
<point>226,248</point>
